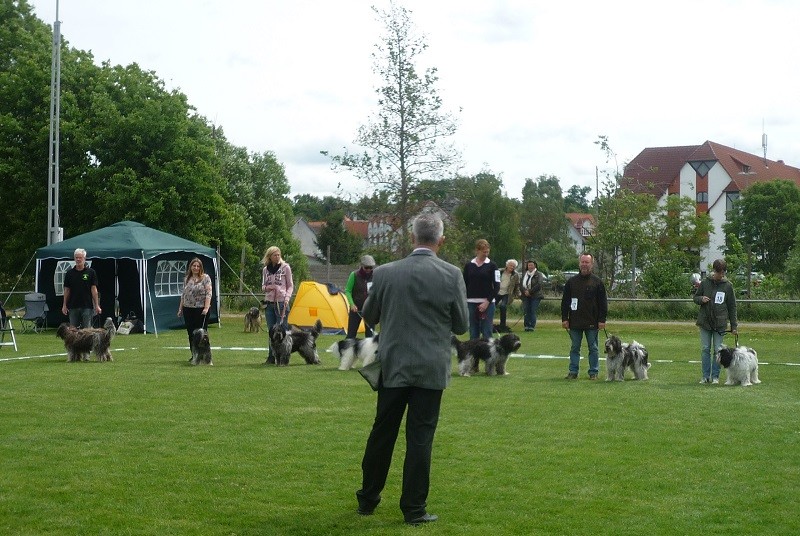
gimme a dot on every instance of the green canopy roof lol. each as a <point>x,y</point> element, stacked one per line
<point>123,240</point>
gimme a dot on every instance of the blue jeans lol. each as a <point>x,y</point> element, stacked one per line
<point>708,361</point>
<point>576,336</point>
<point>273,311</point>
<point>81,317</point>
<point>480,327</point>
<point>529,308</point>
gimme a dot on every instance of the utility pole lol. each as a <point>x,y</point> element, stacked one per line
<point>54,232</point>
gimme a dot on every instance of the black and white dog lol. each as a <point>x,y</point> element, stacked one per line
<point>741,364</point>
<point>494,352</point>
<point>79,343</point>
<point>201,347</point>
<point>285,341</point>
<point>350,350</point>
<point>621,355</point>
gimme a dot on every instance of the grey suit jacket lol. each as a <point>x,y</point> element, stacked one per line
<point>418,301</point>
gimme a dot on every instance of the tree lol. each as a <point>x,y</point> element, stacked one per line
<point>623,229</point>
<point>485,212</point>
<point>766,217</point>
<point>682,232</point>
<point>345,247</point>
<point>312,208</point>
<point>542,212</point>
<point>408,138</point>
<point>576,201</point>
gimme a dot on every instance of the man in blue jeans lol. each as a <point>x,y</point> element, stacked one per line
<point>584,308</point>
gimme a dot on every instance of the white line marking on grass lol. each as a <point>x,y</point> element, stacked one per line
<point>64,354</point>
<point>237,348</point>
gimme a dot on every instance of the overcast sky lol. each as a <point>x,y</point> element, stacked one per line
<point>536,81</point>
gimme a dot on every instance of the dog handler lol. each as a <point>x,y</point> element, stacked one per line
<point>80,292</point>
<point>356,290</point>
<point>277,284</point>
<point>717,302</point>
<point>195,299</point>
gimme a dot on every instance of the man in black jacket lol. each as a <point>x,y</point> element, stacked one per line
<point>584,308</point>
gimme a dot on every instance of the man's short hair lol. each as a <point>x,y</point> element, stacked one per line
<point>427,229</point>
<point>79,251</point>
<point>720,266</point>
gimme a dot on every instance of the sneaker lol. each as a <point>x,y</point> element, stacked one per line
<point>592,376</point>
<point>714,380</point>
<point>571,376</point>
<point>705,380</point>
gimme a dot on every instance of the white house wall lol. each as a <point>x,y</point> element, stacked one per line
<point>718,179</point>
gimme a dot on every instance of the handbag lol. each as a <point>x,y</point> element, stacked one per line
<point>372,373</point>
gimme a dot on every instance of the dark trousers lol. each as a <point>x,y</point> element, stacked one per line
<point>423,416</point>
<point>502,306</point>
<point>353,322</point>
<point>193,318</point>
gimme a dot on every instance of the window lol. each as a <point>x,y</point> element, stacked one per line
<point>61,269</point>
<point>169,277</point>
<point>702,197</point>
<point>702,167</point>
<point>730,199</point>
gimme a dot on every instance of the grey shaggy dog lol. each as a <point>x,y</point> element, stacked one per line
<point>286,341</point>
<point>252,320</point>
<point>201,347</point>
<point>494,352</point>
<point>79,343</point>
<point>621,356</point>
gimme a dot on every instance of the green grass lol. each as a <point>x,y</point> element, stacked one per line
<point>151,445</point>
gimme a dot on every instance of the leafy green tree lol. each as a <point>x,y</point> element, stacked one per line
<point>486,212</point>
<point>556,254</point>
<point>681,231</point>
<point>622,230</point>
<point>345,247</point>
<point>542,212</point>
<point>766,217</point>
<point>408,139</point>
<point>575,200</point>
<point>313,208</point>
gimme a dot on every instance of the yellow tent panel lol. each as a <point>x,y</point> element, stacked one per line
<point>313,302</point>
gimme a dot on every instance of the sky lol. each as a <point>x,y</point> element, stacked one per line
<point>532,83</point>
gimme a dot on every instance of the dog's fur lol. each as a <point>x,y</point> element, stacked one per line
<point>741,364</point>
<point>79,343</point>
<point>201,347</point>
<point>621,355</point>
<point>494,352</point>
<point>284,342</point>
<point>252,320</point>
<point>350,350</point>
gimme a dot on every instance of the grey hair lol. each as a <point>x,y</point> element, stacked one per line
<point>428,229</point>
<point>513,262</point>
<point>79,251</point>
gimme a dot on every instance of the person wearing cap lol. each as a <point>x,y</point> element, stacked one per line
<point>356,290</point>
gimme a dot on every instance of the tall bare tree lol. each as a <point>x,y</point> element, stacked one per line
<point>408,139</point>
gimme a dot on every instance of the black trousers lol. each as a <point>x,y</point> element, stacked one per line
<point>353,322</point>
<point>423,416</point>
<point>194,318</point>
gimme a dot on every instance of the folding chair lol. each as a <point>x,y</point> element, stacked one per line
<point>35,317</point>
<point>6,327</point>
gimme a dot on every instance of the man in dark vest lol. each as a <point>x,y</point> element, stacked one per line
<point>356,290</point>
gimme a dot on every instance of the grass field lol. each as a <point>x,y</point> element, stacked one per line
<point>151,445</point>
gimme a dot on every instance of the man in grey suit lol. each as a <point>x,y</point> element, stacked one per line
<point>418,301</point>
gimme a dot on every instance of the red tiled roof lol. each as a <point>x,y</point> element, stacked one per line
<point>656,168</point>
<point>579,217</point>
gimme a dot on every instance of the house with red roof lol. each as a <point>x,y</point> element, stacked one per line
<point>581,226</point>
<point>713,175</point>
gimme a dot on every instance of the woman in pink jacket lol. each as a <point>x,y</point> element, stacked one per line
<point>277,284</point>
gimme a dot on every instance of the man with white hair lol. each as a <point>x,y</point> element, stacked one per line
<point>81,300</point>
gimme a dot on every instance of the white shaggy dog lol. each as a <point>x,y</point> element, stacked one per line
<point>350,350</point>
<point>621,355</point>
<point>741,364</point>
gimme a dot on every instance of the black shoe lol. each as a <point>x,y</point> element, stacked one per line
<point>365,511</point>
<point>571,376</point>
<point>427,518</point>
<point>592,376</point>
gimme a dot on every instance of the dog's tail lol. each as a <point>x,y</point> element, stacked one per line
<point>316,329</point>
<point>334,349</point>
